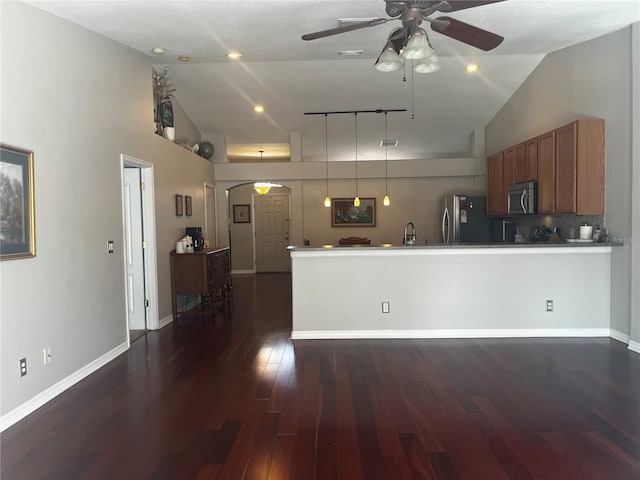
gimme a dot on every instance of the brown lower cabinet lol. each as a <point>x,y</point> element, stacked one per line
<point>205,273</point>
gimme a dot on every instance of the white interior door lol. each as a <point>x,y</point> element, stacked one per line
<point>272,233</point>
<point>133,249</point>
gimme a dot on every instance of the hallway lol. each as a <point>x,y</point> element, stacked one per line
<point>206,401</point>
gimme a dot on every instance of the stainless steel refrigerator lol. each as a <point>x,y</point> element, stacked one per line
<point>464,219</point>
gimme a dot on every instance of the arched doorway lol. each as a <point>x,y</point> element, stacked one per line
<point>259,229</point>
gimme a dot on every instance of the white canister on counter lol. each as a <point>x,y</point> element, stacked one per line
<point>180,246</point>
<point>586,232</point>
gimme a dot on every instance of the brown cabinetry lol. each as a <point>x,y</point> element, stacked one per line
<point>206,273</point>
<point>500,174</point>
<point>567,163</point>
<point>546,172</point>
<point>580,168</point>
<point>526,160</point>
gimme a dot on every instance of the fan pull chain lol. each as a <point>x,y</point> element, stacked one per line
<point>413,116</point>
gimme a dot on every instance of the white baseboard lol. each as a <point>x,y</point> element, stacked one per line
<point>50,393</point>
<point>621,337</point>
<point>165,321</point>
<point>634,346</point>
<point>475,333</point>
<point>242,272</point>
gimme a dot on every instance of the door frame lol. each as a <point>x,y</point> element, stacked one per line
<point>214,240</point>
<point>149,236</point>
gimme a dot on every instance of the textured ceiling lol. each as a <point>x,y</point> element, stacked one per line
<point>290,76</point>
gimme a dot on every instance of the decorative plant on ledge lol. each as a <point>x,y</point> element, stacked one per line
<point>162,93</point>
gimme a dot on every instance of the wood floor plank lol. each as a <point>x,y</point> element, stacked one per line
<point>239,400</point>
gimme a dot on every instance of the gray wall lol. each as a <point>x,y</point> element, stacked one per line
<point>589,80</point>
<point>78,106</point>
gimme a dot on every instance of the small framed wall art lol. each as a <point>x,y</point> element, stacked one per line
<point>17,206</point>
<point>242,214</point>
<point>178,205</point>
<point>187,205</point>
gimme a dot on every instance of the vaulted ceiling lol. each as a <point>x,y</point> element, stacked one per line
<point>290,76</point>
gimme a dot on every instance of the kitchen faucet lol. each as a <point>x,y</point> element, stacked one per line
<point>409,234</point>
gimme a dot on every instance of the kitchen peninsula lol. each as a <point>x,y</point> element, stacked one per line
<point>451,291</point>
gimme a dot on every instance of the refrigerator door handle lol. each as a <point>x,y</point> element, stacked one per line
<point>445,225</point>
<point>522,200</point>
<point>508,202</point>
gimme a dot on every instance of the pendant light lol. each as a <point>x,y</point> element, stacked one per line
<point>327,199</point>
<point>356,200</point>
<point>386,201</point>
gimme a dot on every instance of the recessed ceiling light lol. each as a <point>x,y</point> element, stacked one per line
<point>184,58</point>
<point>351,53</point>
<point>258,109</point>
<point>157,50</point>
<point>471,68</point>
<point>388,143</point>
<point>234,55</point>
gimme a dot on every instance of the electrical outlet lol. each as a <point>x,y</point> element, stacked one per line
<point>110,246</point>
<point>23,367</point>
<point>549,305</point>
<point>46,355</point>
<point>385,307</point>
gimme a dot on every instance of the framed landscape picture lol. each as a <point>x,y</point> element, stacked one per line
<point>17,214</point>
<point>344,214</point>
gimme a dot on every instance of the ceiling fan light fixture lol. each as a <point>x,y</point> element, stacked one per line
<point>418,46</point>
<point>389,60</point>
<point>427,65</point>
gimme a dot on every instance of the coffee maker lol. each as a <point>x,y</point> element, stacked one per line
<point>196,234</point>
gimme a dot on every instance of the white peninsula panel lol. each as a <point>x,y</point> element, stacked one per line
<point>450,291</point>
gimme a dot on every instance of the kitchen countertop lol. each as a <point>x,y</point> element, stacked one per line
<point>495,245</point>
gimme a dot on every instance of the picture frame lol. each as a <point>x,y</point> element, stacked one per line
<point>17,204</point>
<point>187,205</point>
<point>178,205</point>
<point>242,213</point>
<point>344,214</point>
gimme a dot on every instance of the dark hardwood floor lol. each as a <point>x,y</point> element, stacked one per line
<point>242,401</point>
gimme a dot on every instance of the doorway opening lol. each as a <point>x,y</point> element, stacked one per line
<point>259,229</point>
<point>139,246</point>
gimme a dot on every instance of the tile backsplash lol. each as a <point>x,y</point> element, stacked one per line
<point>563,222</point>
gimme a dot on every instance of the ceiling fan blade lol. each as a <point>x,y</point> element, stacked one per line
<point>346,28</point>
<point>466,33</point>
<point>462,4</point>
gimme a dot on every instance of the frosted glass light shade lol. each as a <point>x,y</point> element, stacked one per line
<point>427,65</point>
<point>327,201</point>
<point>386,201</point>
<point>356,202</point>
<point>418,46</point>
<point>389,60</point>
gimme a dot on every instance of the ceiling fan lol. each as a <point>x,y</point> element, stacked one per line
<point>410,41</point>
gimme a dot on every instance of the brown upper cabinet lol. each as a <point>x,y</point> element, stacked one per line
<point>580,168</point>
<point>526,155</point>
<point>546,172</point>
<point>567,163</point>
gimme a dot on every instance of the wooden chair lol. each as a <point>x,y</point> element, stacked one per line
<point>355,241</point>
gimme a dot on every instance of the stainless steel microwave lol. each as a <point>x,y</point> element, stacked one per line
<point>522,199</point>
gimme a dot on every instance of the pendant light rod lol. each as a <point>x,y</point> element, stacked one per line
<point>356,117</point>
<point>379,110</point>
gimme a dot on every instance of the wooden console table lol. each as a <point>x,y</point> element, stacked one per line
<point>206,273</point>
